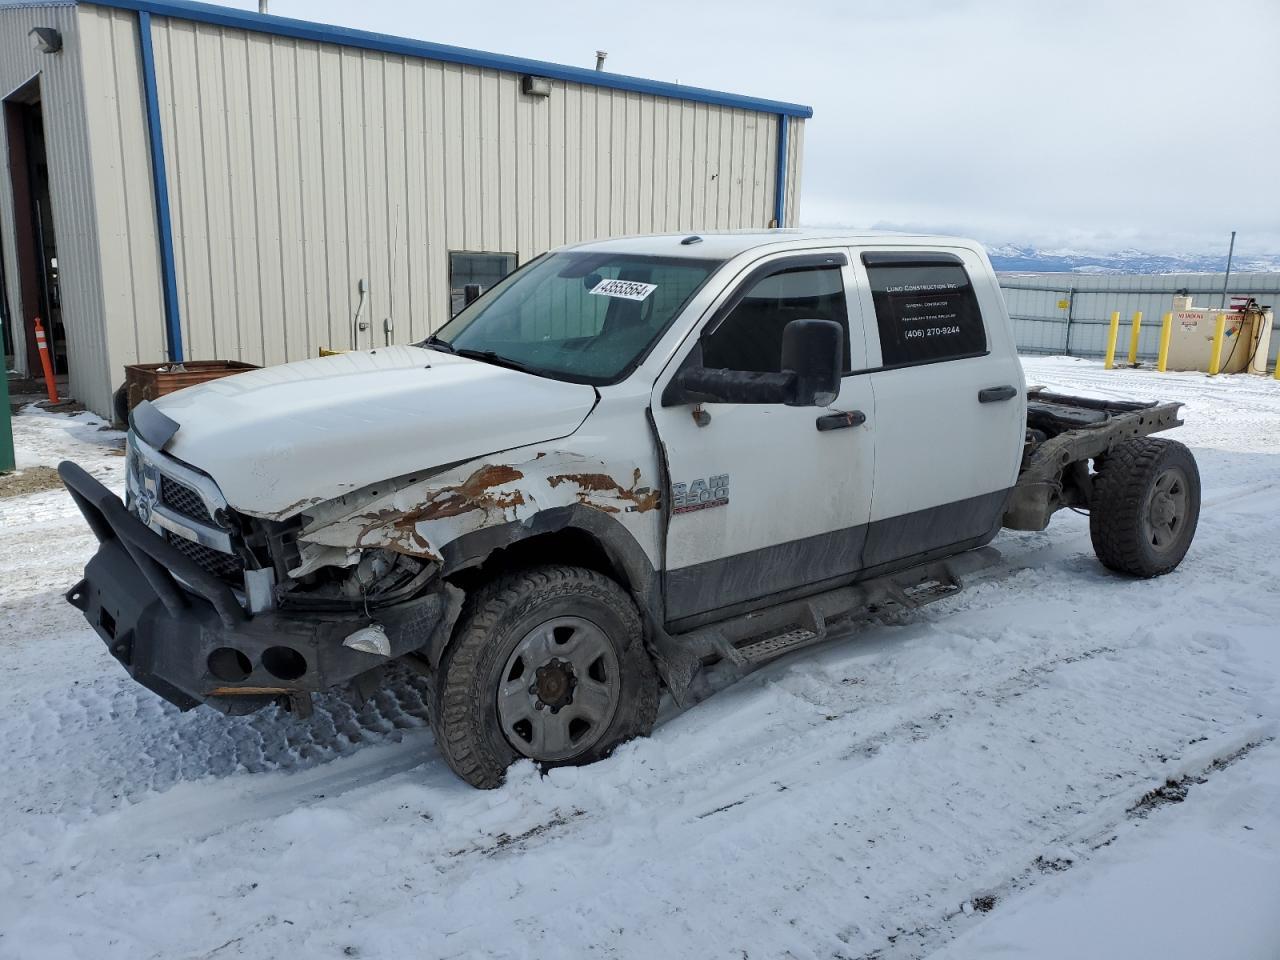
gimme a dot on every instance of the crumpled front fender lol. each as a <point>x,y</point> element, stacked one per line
<point>420,515</point>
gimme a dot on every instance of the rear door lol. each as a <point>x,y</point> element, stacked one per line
<point>949,399</point>
<point>766,498</point>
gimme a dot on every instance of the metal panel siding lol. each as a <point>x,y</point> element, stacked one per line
<point>795,157</point>
<point>299,168</point>
<point>129,282</point>
<point>405,47</point>
<point>1041,326</point>
<point>69,127</point>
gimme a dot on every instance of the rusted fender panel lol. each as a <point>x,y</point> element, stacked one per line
<point>419,517</point>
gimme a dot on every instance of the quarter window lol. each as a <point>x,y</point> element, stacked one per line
<point>750,337</point>
<point>926,308</point>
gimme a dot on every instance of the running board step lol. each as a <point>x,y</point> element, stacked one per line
<point>928,591</point>
<point>767,648</point>
<point>748,640</point>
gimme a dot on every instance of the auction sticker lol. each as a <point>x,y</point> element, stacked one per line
<point>624,289</point>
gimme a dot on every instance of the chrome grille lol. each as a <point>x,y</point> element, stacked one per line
<point>220,564</point>
<point>183,499</point>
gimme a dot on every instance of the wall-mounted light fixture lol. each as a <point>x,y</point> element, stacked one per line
<point>535,86</point>
<point>45,39</point>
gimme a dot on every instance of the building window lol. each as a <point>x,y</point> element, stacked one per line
<point>926,309</point>
<point>481,269</point>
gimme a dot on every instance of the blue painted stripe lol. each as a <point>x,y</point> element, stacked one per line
<point>780,181</point>
<point>160,183</point>
<point>365,40</point>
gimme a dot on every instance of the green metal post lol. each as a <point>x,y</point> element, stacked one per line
<point>6,424</point>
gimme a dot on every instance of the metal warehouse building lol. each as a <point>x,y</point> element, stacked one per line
<point>187,181</point>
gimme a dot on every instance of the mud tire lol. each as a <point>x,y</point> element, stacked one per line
<point>464,712</point>
<point>1125,489</point>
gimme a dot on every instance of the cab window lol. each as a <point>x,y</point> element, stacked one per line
<point>749,338</point>
<point>926,309</point>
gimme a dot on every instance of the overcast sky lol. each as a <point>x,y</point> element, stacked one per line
<point>1063,123</point>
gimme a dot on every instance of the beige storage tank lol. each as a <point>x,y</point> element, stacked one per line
<point>1246,340</point>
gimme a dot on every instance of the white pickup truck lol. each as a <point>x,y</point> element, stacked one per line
<point>626,461</point>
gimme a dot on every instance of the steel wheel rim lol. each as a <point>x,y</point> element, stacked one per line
<point>559,689</point>
<point>1166,513</point>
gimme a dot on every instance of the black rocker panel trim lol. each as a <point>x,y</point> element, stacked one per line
<point>757,578</point>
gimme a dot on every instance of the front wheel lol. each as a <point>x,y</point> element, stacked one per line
<point>548,663</point>
<point>1145,506</point>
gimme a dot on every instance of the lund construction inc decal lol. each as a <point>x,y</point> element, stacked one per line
<point>700,494</point>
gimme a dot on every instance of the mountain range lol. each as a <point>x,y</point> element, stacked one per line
<point>1009,258</point>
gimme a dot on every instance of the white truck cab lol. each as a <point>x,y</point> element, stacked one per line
<point>626,460</point>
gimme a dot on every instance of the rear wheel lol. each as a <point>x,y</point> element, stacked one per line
<point>1145,506</point>
<point>548,663</point>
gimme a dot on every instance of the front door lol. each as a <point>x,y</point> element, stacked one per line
<point>767,498</point>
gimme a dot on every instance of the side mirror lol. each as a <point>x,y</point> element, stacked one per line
<point>812,355</point>
<point>814,351</point>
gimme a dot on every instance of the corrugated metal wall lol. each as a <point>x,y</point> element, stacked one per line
<point>75,215</point>
<point>297,169</point>
<point>1080,329</point>
<point>129,245</point>
<point>795,158</point>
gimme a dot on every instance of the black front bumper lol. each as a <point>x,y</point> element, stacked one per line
<point>182,632</point>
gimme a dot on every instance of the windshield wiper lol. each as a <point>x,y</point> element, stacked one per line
<point>435,343</point>
<point>488,356</point>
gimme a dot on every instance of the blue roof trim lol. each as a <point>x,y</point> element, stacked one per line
<point>366,40</point>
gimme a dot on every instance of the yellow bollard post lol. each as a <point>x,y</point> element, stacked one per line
<point>1278,367</point>
<point>1166,331</point>
<point>1133,338</point>
<point>1112,336</point>
<point>1215,356</point>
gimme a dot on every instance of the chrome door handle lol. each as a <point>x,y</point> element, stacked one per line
<point>838,421</point>
<point>995,394</point>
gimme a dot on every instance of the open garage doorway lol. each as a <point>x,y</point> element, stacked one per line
<point>6,324</point>
<point>35,240</point>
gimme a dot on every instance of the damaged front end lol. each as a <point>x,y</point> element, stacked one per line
<point>197,603</point>
<point>205,603</point>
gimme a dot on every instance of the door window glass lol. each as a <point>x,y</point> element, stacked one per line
<point>926,309</point>
<point>750,337</point>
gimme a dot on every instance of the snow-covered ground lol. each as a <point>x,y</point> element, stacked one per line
<point>1055,763</point>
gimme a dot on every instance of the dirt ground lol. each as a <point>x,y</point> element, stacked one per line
<point>33,480</point>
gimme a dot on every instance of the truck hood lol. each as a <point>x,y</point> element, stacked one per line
<point>280,439</point>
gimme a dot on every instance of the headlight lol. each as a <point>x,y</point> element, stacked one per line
<point>142,485</point>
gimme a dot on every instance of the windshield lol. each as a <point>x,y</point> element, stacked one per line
<point>582,316</point>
